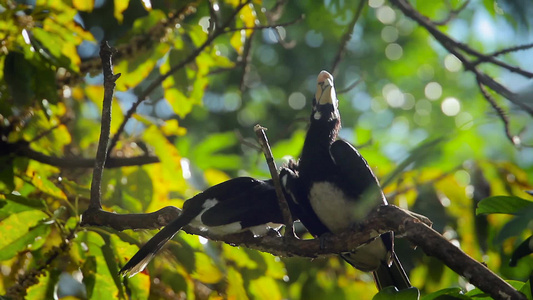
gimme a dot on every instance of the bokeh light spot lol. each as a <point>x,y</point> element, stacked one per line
<point>297,101</point>
<point>450,106</point>
<point>394,51</point>
<point>314,39</point>
<point>452,63</point>
<point>389,34</point>
<point>386,14</point>
<point>433,91</point>
<point>375,3</point>
<point>409,101</point>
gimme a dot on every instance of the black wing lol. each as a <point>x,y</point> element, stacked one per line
<point>355,175</point>
<point>250,202</point>
<point>360,182</point>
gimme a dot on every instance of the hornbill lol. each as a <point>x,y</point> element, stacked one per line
<point>332,188</point>
<point>239,204</point>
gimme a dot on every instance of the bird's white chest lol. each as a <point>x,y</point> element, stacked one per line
<point>332,206</point>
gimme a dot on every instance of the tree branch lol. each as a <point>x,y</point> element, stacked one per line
<point>157,82</point>
<point>382,219</point>
<point>261,27</point>
<point>120,222</point>
<point>263,141</point>
<point>459,49</point>
<point>346,36</point>
<point>505,51</point>
<point>23,149</point>
<point>101,154</point>
<point>453,13</point>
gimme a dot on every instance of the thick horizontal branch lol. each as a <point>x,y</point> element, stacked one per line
<point>385,218</point>
<point>434,244</point>
<point>156,219</point>
<point>22,149</point>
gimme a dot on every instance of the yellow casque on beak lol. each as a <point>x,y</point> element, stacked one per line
<point>325,90</point>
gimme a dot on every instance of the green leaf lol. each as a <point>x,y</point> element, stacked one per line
<point>22,231</point>
<point>98,273</point>
<point>265,288</point>
<point>235,288</point>
<point>18,74</point>
<point>504,205</point>
<point>391,293</point>
<point>16,204</point>
<point>7,183</point>
<point>207,153</point>
<point>449,293</point>
<point>45,288</point>
<point>290,147</point>
<point>206,271</point>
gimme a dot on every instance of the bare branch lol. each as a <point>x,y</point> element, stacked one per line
<point>135,44</point>
<point>62,121</point>
<point>346,36</point>
<point>501,113</point>
<point>505,51</point>
<point>245,60</point>
<point>263,141</point>
<point>452,15</point>
<point>157,82</point>
<point>81,162</point>
<point>153,220</point>
<point>101,154</point>
<point>459,50</point>
<point>261,27</point>
<point>384,218</point>
<point>350,87</point>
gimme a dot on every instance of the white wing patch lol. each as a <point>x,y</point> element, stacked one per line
<point>332,206</point>
<point>231,228</point>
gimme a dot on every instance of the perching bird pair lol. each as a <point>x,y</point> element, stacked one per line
<point>331,189</point>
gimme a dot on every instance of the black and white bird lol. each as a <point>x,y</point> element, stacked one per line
<point>236,205</point>
<point>333,188</point>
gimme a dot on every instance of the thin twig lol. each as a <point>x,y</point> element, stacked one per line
<point>263,141</point>
<point>457,48</point>
<point>244,142</point>
<point>106,54</point>
<point>245,59</point>
<point>452,14</point>
<point>346,36</point>
<point>350,87</point>
<point>62,121</point>
<point>501,113</point>
<point>157,82</point>
<point>261,27</point>
<point>505,51</point>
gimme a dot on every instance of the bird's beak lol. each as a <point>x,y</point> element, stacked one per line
<point>325,90</point>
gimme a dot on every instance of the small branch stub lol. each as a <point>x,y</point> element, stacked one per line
<point>263,141</point>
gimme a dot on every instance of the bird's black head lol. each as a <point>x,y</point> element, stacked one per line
<point>325,103</point>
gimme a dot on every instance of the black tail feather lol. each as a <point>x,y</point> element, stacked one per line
<point>393,275</point>
<point>139,261</point>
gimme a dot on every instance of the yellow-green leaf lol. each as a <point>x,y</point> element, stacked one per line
<point>17,233</point>
<point>120,7</point>
<point>206,271</point>
<point>83,5</point>
<point>265,288</point>
<point>235,288</point>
